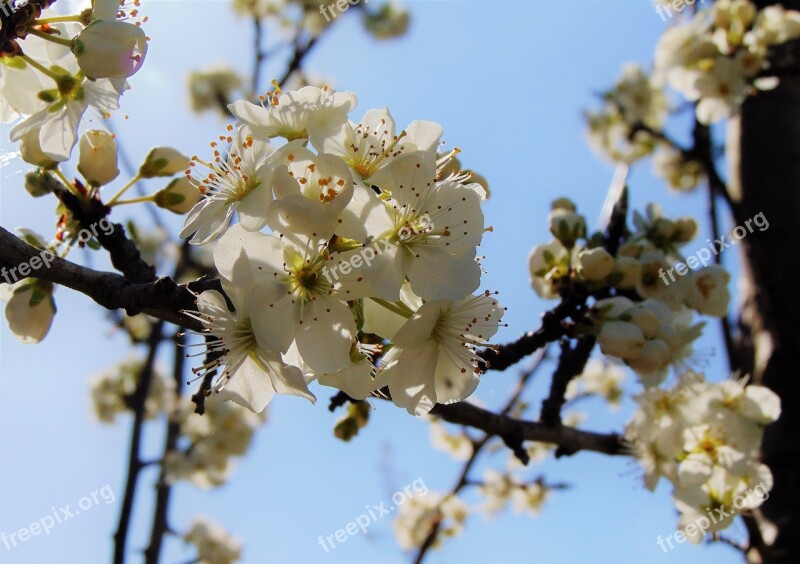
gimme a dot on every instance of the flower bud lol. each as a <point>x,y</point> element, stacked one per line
<point>685,230</point>
<point>612,308</point>
<point>563,204</point>
<point>98,157</point>
<point>36,183</point>
<point>627,271</point>
<point>110,49</point>
<point>644,319</point>
<point>31,150</point>
<point>708,291</point>
<point>163,161</point>
<point>30,309</point>
<point>179,196</point>
<point>566,226</point>
<point>662,229</point>
<point>654,356</point>
<point>621,339</point>
<point>595,264</point>
<point>387,21</point>
<point>548,263</point>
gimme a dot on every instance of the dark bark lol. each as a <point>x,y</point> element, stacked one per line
<point>764,153</point>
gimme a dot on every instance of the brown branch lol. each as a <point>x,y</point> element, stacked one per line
<point>163,489</point>
<point>135,463</point>
<point>15,23</point>
<point>477,447</point>
<point>260,55</point>
<point>731,351</point>
<point>569,440</point>
<point>296,62</point>
<point>90,213</point>
<point>571,363</point>
<point>164,298</point>
<point>551,330</point>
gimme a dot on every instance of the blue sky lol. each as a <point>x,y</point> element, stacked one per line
<point>508,81</point>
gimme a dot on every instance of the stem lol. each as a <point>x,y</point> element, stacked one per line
<point>40,67</point>
<point>70,186</point>
<point>58,19</point>
<point>149,198</point>
<point>399,309</point>
<point>134,461</point>
<point>51,38</point>
<point>124,189</point>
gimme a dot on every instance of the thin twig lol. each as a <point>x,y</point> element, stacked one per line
<point>163,488</point>
<point>571,363</point>
<point>725,324</point>
<point>477,448</point>
<point>260,55</point>
<point>135,463</point>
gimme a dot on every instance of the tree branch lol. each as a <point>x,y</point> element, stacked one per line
<point>551,330</point>
<point>163,489</point>
<point>134,461</point>
<point>477,447</point>
<point>296,62</point>
<point>125,256</point>
<point>570,364</point>
<point>164,298</point>
<point>16,22</point>
<point>569,440</point>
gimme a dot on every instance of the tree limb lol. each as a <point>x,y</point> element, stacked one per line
<point>135,464</point>
<point>569,440</point>
<point>164,298</point>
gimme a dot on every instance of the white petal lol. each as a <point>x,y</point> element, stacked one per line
<point>451,383</point>
<point>355,380</point>
<point>249,385</point>
<point>253,208</point>
<point>240,251</point>
<point>326,335</point>
<point>411,378</point>
<point>30,324</point>
<point>435,274</point>
<point>273,315</point>
<point>287,380</point>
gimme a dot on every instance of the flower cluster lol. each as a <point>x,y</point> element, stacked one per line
<point>704,438</point>
<point>212,440</point>
<point>633,108</point>
<point>716,60</point>
<point>599,378</point>
<point>720,57</point>
<point>214,545</point>
<point>373,247</point>
<point>65,68</point>
<point>647,322</point>
<point>112,390</point>
<point>459,447</point>
<point>419,514</point>
<point>498,488</point>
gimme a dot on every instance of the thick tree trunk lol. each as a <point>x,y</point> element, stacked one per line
<point>764,154</point>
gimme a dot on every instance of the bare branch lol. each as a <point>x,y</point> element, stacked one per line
<point>570,364</point>
<point>163,488</point>
<point>164,298</point>
<point>135,463</point>
<point>570,440</point>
